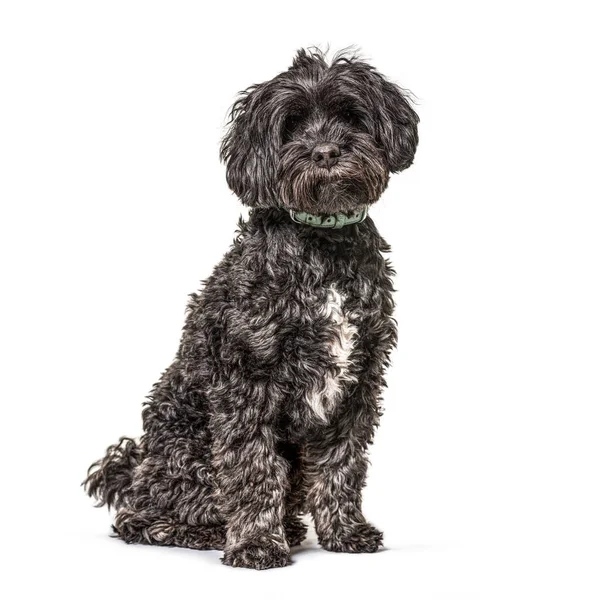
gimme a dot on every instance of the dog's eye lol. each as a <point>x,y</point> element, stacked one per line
<point>290,125</point>
<point>352,117</point>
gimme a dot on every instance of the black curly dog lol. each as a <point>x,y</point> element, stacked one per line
<point>273,397</point>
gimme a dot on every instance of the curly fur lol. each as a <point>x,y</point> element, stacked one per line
<point>109,478</point>
<point>274,395</point>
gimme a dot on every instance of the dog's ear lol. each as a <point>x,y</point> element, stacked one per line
<point>397,126</point>
<point>247,149</point>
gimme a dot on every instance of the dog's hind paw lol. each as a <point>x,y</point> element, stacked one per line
<point>257,555</point>
<point>360,537</point>
<point>295,530</point>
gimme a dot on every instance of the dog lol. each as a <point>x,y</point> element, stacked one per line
<point>267,411</point>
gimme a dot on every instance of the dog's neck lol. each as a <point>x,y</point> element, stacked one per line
<point>287,242</point>
<point>276,221</point>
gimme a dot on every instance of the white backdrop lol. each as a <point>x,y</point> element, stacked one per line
<point>114,208</point>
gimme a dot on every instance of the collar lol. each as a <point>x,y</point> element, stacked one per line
<point>335,221</point>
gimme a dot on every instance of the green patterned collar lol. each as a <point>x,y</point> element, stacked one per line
<point>336,221</point>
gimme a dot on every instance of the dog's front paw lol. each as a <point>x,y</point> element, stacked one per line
<point>257,555</point>
<point>359,537</point>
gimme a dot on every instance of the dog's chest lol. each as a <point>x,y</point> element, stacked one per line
<point>338,335</point>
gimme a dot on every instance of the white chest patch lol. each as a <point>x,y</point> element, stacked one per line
<point>324,398</point>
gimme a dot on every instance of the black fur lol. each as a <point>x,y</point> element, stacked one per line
<point>273,397</point>
<point>275,125</point>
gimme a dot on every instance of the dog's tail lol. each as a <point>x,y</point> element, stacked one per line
<point>110,478</point>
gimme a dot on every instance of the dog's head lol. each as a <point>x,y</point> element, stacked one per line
<point>320,137</point>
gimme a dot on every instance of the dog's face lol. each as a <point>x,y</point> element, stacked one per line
<point>319,138</point>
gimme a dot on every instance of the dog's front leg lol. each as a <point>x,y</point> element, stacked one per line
<point>337,466</point>
<point>252,484</point>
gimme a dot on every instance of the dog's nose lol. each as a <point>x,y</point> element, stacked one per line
<point>326,155</point>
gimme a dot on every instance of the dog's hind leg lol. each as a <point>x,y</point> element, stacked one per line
<point>136,528</point>
<point>170,501</point>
